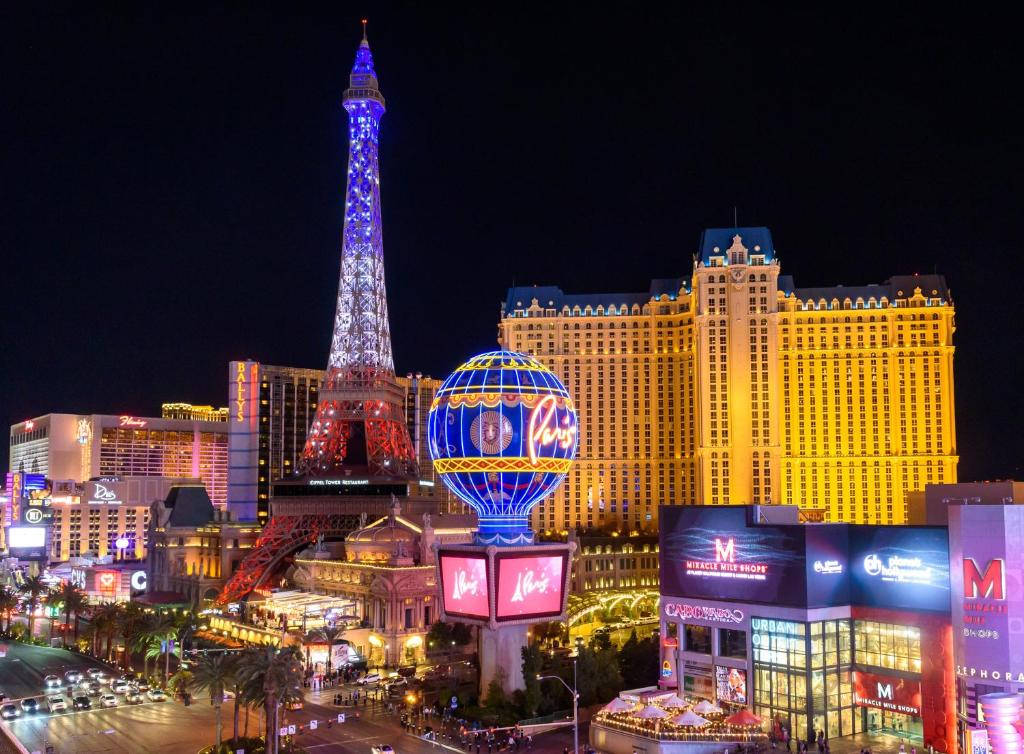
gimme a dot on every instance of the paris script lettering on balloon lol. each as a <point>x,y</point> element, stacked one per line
<point>464,585</point>
<point>544,428</point>
<point>527,584</point>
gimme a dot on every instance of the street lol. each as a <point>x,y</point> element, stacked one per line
<point>172,727</point>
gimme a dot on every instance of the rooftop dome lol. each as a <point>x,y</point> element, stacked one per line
<point>386,533</point>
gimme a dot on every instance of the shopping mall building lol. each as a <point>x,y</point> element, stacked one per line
<point>844,628</point>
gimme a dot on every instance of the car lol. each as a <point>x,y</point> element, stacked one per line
<point>94,688</point>
<point>73,676</point>
<point>156,695</point>
<point>81,702</point>
<point>52,681</point>
<point>369,679</point>
<point>94,672</point>
<point>10,711</point>
<point>133,697</point>
<point>56,703</point>
<point>120,686</point>
<point>141,686</point>
<point>108,700</point>
<point>295,704</point>
<point>30,705</point>
<point>381,749</point>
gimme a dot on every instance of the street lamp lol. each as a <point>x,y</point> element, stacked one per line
<point>575,705</point>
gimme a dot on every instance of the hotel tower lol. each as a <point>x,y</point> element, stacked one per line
<point>731,385</point>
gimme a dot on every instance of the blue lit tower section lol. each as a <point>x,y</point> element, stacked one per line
<point>359,426</point>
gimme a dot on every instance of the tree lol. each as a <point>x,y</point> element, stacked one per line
<point>34,588</point>
<point>104,619</point>
<point>72,601</point>
<point>181,681</point>
<point>213,673</point>
<point>462,634</point>
<point>532,663</point>
<point>597,676</point>
<point>131,619</point>
<point>639,661</point>
<point>271,676</point>
<point>8,604</point>
<point>440,635</point>
<point>152,631</point>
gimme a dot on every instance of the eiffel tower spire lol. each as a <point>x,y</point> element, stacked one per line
<point>359,426</point>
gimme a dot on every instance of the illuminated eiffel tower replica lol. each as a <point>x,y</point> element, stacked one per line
<point>358,456</point>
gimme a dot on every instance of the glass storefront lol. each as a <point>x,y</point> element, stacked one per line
<point>802,676</point>
<point>881,647</point>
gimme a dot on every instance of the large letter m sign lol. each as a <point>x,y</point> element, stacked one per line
<point>884,691</point>
<point>988,585</point>
<point>725,552</point>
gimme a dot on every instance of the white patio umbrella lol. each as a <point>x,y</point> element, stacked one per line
<point>618,704</point>
<point>650,712</point>
<point>690,718</point>
<point>673,702</point>
<point>707,708</point>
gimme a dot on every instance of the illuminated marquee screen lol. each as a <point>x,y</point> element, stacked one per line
<point>464,585</point>
<point>529,586</point>
<point>887,693</point>
<point>711,553</point>
<point>900,567</point>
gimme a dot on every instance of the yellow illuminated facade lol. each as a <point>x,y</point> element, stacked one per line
<point>195,413</point>
<point>734,386</point>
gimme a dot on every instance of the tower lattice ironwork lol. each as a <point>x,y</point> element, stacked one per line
<point>360,426</point>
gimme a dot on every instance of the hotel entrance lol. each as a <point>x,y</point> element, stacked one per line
<point>884,722</point>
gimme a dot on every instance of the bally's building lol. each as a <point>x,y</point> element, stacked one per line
<point>733,385</point>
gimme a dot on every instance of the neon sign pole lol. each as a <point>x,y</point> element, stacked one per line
<point>503,432</point>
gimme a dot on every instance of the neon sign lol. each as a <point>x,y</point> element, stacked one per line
<point>102,494</point>
<point>528,583</point>
<point>543,429</point>
<point>139,581</point>
<point>724,565</point>
<point>464,584</point>
<point>240,398</point>
<point>529,586</point>
<point>131,421</point>
<point>29,425</point>
<point>899,569</point>
<point>687,611</point>
<point>990,585</point>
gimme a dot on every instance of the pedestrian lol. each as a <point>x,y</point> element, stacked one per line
<point>903,748</point>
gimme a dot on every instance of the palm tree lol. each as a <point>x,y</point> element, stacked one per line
<point>35,588</point>
<point>330,635</point>
<point>132,616</point>
<point>8,604</point>
<point>105,618</point>
<point>152,631</point>
<point>271,676</point>
<point>213,673</point>
<point>72,600</point>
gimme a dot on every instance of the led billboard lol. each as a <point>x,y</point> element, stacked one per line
<point>887,693</point>
<point>19,537</point>
<point>529,585</point>
<point>712,553</point>
<point>464,585</point>
<point>900,567</point>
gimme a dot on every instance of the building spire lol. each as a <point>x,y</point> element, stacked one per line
<point>365,40</point>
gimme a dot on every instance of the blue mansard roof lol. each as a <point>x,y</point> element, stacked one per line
<point>722,238</point>
<point>896,287</point>
<point>552,297</point>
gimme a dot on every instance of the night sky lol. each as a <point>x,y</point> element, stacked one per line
<point>170,185</point>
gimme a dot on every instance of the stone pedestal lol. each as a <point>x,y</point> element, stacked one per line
<point>501,657</point>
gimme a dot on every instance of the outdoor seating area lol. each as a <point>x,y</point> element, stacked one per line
<point>666,718</point>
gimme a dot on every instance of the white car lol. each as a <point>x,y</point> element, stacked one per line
<point>120,686</point>
<point>108,700</point>
<point>366,680</point>
<point>56,704</point>
<point>72,676</point>
<point>381,749</point>
<point>156,695</point>
<point>52,681</point>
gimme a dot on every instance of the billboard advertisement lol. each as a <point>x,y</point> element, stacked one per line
<point>900,567</point>
<point>828,567</point>
<point>731,685</point>
<point>712,553</point>
<point>529,585</point>
<point>27,541</point>
<point>464,584</point>
<point>987,609</point>
<point>887,693</point>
